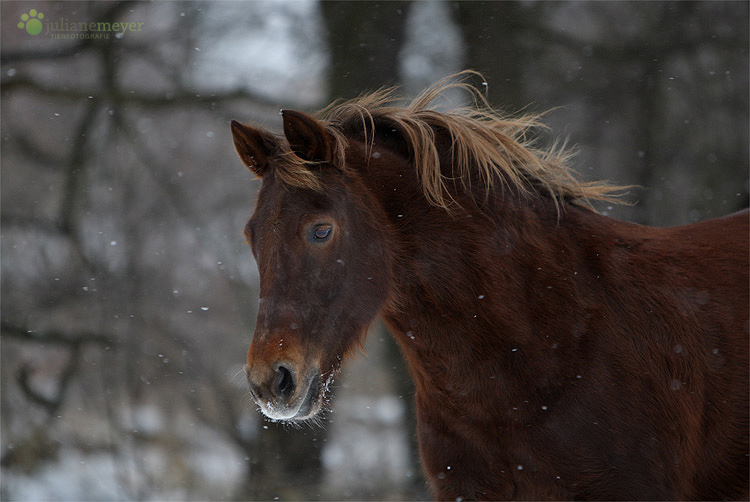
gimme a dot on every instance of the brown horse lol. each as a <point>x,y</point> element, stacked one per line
<point>557,353</point>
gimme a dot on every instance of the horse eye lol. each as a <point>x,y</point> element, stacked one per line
<point>322,232</point>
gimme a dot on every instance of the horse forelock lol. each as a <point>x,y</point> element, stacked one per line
<point>484,145</point>
<point>293,171</point>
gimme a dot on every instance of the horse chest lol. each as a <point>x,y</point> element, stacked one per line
<point>471,461</point>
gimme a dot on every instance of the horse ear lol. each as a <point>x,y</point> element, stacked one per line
<point>254,146</point>
<point>307,137</point>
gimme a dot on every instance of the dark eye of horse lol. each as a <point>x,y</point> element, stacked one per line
<point>322,232</point>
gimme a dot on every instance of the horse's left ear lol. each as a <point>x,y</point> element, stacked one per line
<point>307,137</point>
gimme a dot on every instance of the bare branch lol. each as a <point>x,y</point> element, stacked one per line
<point>180,96</point>
<point>56,337</point>
<point>50,404</point>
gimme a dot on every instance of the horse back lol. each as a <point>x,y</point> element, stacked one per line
<point>687,310</point>
<point>709,260</point>
<point>723,275</point>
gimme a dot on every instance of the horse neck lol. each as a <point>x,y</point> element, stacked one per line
<point>478,291</point>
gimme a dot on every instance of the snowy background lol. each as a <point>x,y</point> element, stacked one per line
<point>128,293</point>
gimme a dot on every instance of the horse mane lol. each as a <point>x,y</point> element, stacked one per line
<point>485,144</point>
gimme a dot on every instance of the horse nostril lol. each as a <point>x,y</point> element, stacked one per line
<point>283,384</point>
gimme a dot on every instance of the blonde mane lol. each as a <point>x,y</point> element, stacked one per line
<point>484,144</point>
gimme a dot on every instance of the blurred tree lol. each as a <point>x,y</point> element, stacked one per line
<point>95,324</point>
<point>364,40</point>
<point>496,36</point>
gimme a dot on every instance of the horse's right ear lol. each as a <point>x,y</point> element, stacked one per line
<point>254,146</point>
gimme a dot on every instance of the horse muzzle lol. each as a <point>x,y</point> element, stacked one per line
<point>283,393</point>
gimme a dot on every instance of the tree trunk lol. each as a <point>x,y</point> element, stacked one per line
<point>365,39</point>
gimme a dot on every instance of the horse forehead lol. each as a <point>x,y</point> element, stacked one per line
<point>274,208</point>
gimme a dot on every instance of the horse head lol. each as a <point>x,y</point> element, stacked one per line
<point>322,262</point>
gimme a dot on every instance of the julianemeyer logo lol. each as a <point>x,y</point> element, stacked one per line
<point>64,28</point>
<point>32,22</point>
